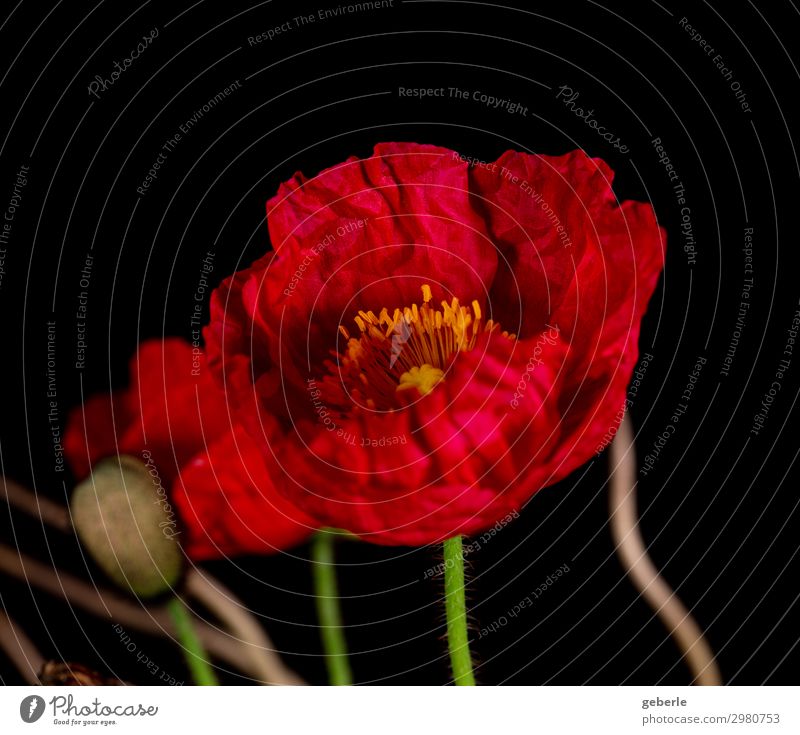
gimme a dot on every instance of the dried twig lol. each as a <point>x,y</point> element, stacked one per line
<point>250,641</point>
<point>20,649</point>
<point>50,512</point>
<point>109,605</point>
<point>241,623</point>
<point>640,568</point>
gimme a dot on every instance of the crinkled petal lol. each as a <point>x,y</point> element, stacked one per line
<point>229,504</point>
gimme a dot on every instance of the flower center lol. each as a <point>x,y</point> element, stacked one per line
<point>408,348</point>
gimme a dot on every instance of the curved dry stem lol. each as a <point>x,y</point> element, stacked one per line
<point>640,568</point>
<point>241,623</point>
<point>20,649</point>
<point>35,505</point>
<point>112,606</point>
<point>264,664</point>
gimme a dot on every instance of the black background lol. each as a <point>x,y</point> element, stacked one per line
<point>719,507</point>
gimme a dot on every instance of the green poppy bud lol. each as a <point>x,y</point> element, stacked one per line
<point>124,519</point>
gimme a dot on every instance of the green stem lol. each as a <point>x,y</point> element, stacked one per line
<point>456,609</point>
<point>193,651</point>
<point>330,616</point>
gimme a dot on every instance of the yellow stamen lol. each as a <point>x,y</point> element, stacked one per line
<point>423,378</point>
<point>411,347</point>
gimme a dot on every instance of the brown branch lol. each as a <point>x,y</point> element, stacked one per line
<point>112,606</point>
<point>35,505</point>
<point>267,667</point>
<point>241,623</point>
<point>20,649</point>
<point>640,568</point>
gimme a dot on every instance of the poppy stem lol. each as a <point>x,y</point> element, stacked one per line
<point>456,610</point>
<point>326,592</point>
<point>193,651</point>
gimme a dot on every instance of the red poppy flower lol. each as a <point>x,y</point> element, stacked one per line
<point>431,342</point>
<point>175,416</point>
